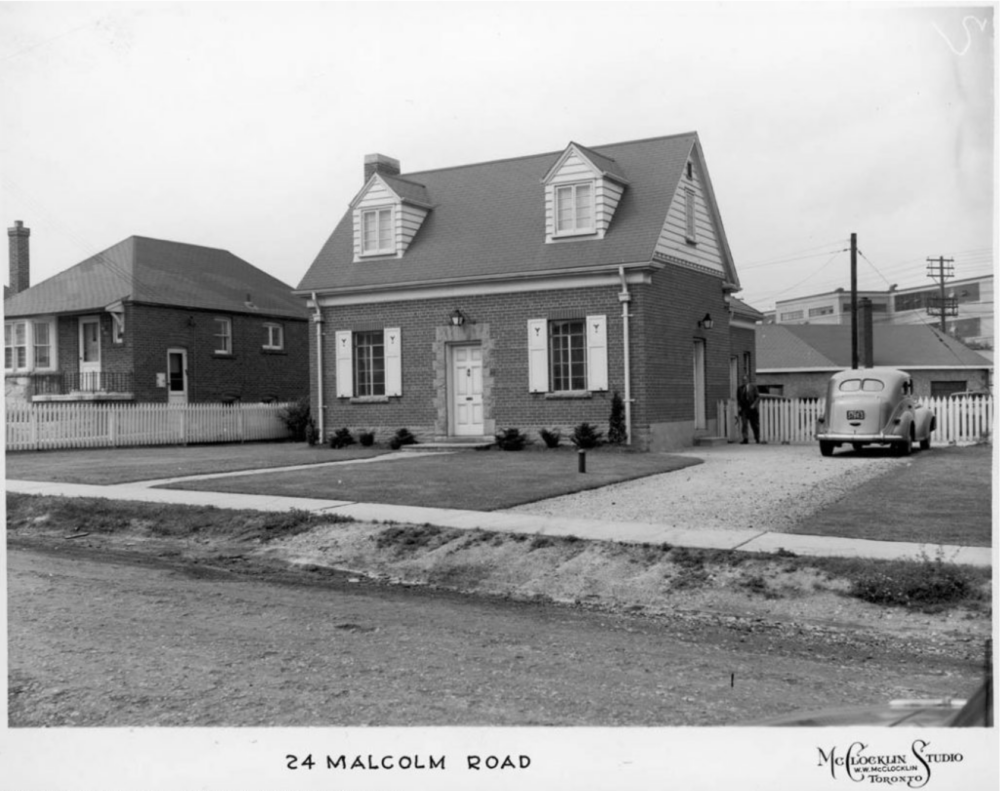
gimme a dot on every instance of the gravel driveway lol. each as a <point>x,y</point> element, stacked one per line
<point>766,487</point>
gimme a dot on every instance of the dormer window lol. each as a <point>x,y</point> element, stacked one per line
<point>377,237</point>
<point>575,209</point>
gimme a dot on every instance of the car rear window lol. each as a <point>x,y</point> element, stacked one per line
<point>868,385</point>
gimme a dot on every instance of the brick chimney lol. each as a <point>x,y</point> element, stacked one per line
<point>20,271</point>
<point>866,334</point>
<point>380,163</point>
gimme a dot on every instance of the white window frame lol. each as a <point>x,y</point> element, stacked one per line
<point>226,336</point>
<point>344,346</point>
<point>30,337</point>
<point>377,212</point>
<point>540,371</point>
<point>576,229</point>
<point>273,329</point>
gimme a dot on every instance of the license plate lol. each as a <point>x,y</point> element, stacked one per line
<point>855,414</point>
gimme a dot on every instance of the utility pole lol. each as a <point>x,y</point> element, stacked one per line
<point>945,270</point>
<point>854,300</point>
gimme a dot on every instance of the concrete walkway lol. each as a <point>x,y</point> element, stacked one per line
<point>631,532</point>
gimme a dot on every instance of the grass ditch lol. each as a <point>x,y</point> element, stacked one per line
<point>561,567</point>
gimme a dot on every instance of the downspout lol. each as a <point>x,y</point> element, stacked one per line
<point>625,298</point>
<point>318,321</point>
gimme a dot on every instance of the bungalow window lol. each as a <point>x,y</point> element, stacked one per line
<point>377,232</point>
<point>575,208</point>
<point>28,345</point>
<point>274,337</point>
<point>567,355</point>
<point>223,336</point>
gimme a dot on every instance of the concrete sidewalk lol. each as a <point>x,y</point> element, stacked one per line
<point>630,532</point>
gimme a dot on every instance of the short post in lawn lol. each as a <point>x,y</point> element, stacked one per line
<point>581,460</point>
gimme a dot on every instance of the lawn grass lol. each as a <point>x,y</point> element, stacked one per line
<point>470,480</point>
<point>941,497</point>
<point>109,466</point>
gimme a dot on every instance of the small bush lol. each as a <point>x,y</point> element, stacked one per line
<point>341,438</point>
<point>297,419</point>
<point>312,433</point>
<point>617,433</point>
<point>366,438</point>
<point>586,436</point>
<point>550,438</point>
<point>511,439</point>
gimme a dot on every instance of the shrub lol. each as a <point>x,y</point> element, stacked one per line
<point>341,438</point>
<point>617,433</point>
<point>586,436</point>
<point>312,433</point>
<point>366,438</point>
<point>297,419</point>
<point>550,438</point>
<point>403,437</point>
<point>511,439</point>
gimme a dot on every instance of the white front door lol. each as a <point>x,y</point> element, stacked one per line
<point>90,353</point>
<point>699,384</point>
<point>467,376</point>
<point>177,376</point>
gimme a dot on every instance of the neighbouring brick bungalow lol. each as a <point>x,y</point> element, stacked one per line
<point>797,360</point>
<point>525,292</point>
<point>153,321</point>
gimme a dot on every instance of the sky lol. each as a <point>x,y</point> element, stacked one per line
<point>245,126</point>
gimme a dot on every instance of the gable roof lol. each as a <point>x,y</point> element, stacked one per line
<point>790,347</point>
<point>488,220</point>
<point>158,272</point>
<point>743,310</point>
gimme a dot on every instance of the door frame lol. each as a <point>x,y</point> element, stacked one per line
<point>184,368</point>
<point>93,367</point>
<point>698,356</point>
<point>450,389</point>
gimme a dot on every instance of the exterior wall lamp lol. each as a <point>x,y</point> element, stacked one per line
<point>706,323</point>
<point>457,318</point>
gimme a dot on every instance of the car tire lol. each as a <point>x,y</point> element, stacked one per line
<point>825,448</point>
<point>903,448</point>
<point>925,444</point>
<point>858,446</point>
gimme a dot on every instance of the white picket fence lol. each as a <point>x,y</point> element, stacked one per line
<point>51,426</point>
<point>793,420</point>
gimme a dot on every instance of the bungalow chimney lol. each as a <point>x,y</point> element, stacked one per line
<point>380,163</point>
<point>866,337</point>
<point>19,266</point>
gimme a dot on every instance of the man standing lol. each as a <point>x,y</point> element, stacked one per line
<point>748,399</point>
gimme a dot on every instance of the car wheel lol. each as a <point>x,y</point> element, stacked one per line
<point>858,446</point>
<point>903,448</point>
<point>825,448</point>
<point>925,444</point>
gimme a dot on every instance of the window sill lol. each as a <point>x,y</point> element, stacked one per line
<point>590,232</point>
<point>266,350</point>
<point>370,399</point>
<point>692,242</point>
<point>379,254</point>
<point>568,395</point>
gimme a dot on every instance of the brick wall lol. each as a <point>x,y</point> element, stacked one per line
<point>249,374</point>
<point>664,323</point>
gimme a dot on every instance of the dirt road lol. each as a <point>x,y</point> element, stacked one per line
<point>118,638</point>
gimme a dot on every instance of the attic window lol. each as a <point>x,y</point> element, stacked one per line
<point>377,232</point>
<point>574,209</point>
<point>690,171</point>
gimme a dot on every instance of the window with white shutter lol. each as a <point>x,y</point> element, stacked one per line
<point>345,369</point>
<point>597,353</point>
<point>393,362</point>
<point>538,356</point>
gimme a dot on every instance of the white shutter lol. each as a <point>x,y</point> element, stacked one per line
<point>597,353</point>
<point>345,367</point>
<point>393,362</point>
<point>538,356</point>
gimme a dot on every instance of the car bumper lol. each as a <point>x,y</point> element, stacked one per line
<point>842,437</point>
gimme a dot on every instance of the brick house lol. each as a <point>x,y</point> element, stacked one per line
<point>153,321</point>
<point>526,292</point>
<point>797,360</point>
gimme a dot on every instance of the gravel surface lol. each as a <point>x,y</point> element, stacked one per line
<point>765,487</point>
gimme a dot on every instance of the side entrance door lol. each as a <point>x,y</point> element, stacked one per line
<point>90,353</point>
<point>177,376</point>
<point>467,379</point>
